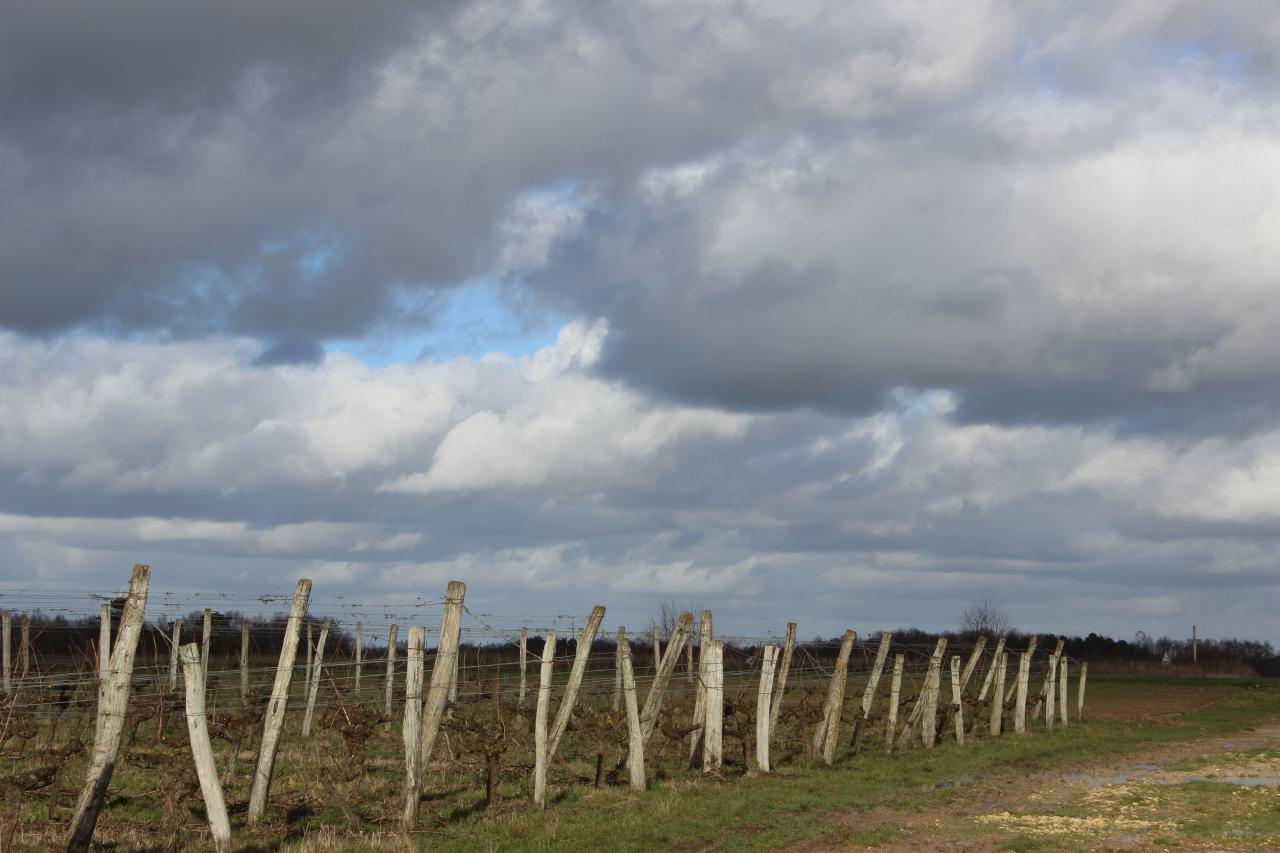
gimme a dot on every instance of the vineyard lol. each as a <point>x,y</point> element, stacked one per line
<point>173,728</point>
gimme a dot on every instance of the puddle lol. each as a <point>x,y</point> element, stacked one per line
<point>1098,781</point>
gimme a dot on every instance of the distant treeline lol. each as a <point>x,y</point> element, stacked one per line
<point>57,638</point>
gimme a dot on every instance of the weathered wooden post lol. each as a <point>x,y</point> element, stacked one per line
<point>583,652</point>
<point>700,692</point>
<point>104,660</point>
<point>524,645</point>
<point>635,739</point>
<point>306,673</point>
<point>1051,685</point>
<point>929,719</point>
<point>412,727</point>
<point>653,702</point>
<point>313,687</point>
<point>837,682</point>
<point>392,641</point>
<point>657,648</point>
<point>453,676</point>
<point>1031,650</point>
<point>6,663</point>
<point>997,705</point>
<point>895,692</point>
<point>974,657</point>
<point>1020,709</point>
<point>274,720</point>
<point>835,699</point>
<point>713,746</point>
<point>764,705</point>
<point>202,750</point>
<point>206,635</point>
<point>540,722</point>
<point>1062,690</point>
<point>957,686</point>
<point>26,645</point>
<point>244,664</point>
<point>617,670</point>
<point>174,645</point>
<point>107,745</point>
<point>995,657</point>
<point>869,694</point>
<point>925,694</point>
<point>1084,675</point>
<point>688,662</point>
<point>442,676</point>
<point>780,678</point>
<point>359,654</point>
<point>1047,687</point>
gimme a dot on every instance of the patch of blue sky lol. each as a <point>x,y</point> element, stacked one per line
<point>473,320</point>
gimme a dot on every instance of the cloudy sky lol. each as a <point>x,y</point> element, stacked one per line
<point>837,312</point>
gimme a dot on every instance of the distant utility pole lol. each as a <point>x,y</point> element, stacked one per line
<point>1193,645</point>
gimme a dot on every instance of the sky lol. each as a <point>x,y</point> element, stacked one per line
<point>842,313</point>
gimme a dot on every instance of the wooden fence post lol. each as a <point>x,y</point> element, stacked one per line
<point>279,702</point>
<point>974,657</point>
<point>922,698</point>
<point>412,728</point>
<point>206,636</point>
<point>107,745</point>
<point>835,700</point>
<point>1051,687</point>
<point>1047,687</point>
<point>546,673</point>
<point>174,645</point>
<point>581,655</point>
<point>780,677</point>
<point>1020,709</point>
<point>104,661</point>
<point>524,643</point>
<point>202,750</point>
<point>700,692</point>
<point>929,719</point>
<point>392,642</point>
<point>764,705</point>
<point>443,672</point>
<point>895,692</point>
<point>653,702</point>
<point>244,664</point>
<point>997,703</point>
<point>1084,674</point>
<point>688,662</point>
<point>617,670</point>
<point>26,645</point>
<point>313,688</point>
<point>306,673</point>
<point>995,657</point>
<point>713,746</point>
<point>359,654</point>
<point>1031,650</point>
<point>6,627</point>
<point>837,682</point>
<point>635,739</point>
<point>453,675</point>
<point>957,686</point>
<point>1062,690</point>
<point>869,694</point>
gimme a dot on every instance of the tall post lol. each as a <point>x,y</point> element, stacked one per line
<point>107,745</point>
<point>635,739</point>
<point>700,692</point>
<point>997,703</point>
<point>929,719</point>
<point>202,750</point>
<point>524,665</point>
<point>1046,688</point>
<point>359,654</point>
<point>313,686</point>
<point>442,672</point>
<point>1062,690</point>
<point>26,645</point>
<point>1030,652</point>
<point>174,645</point>
<point>617,671</point>
<point>974,657</point>
<point>895,692</point>
<point>873,682</point>
<point>412,728</point>
<point>1051,684</point>
<point>957,706</point>
<point>279,701</point>
<point>1084,675</point>
<point>583,652</point>
<point>688,662</point>
<point>6,627</point>
<point>780,679</point>
<point>306,673</point>
<point>1020,709</point>
<point>837,679</point>
<point>540,722</point>
<point>927,693</point>
<point>986,682</point>
<point>206,634</point>
<point>764,704</point>
<point>712,748</point>
<point>244,664</point>
<point>653,702</point>
<point>392,642</point>
<point>104,660</point>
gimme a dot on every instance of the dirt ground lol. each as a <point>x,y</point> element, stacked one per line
<point>1214,793</point>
